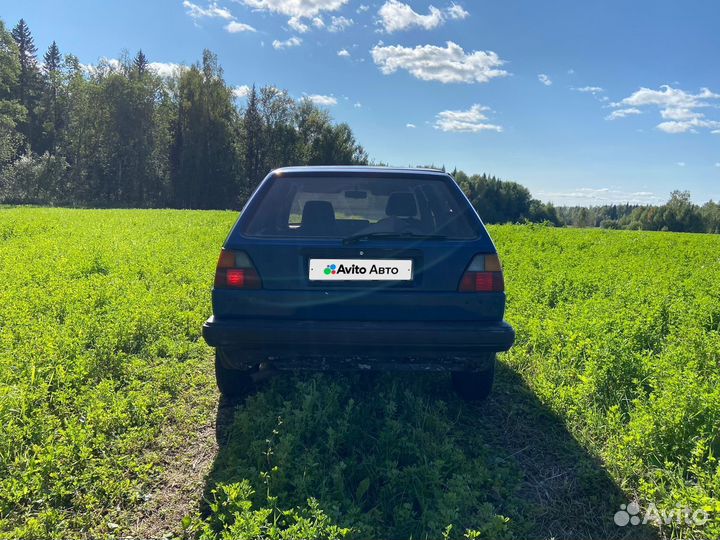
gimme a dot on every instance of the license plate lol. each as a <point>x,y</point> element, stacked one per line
<point>361,269</point>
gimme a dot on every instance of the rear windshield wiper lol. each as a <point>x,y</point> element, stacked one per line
<point>391,235</point>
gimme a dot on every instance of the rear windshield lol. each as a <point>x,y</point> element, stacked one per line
<point>345,206</point>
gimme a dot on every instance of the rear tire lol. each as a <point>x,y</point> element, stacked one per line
<point>474,385</point>
<point>232,383</point>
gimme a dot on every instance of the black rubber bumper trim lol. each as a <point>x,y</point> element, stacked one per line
<point>410,337</point>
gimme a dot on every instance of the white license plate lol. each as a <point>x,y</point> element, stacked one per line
<point>361,269</point>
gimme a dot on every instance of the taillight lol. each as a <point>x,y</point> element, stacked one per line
<point>235,270</point>
<point>484,274</point>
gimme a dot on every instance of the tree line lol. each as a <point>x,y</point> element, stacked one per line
<point>678,214</point>
<point>118,134</point>
<point>498,201</point>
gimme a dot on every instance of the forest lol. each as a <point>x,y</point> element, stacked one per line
<point>118,135</point>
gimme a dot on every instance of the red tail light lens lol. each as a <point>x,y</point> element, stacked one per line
<point>235,278</point>
<point>235,270</point>
<point>484,274</point>
<point>482,282</point>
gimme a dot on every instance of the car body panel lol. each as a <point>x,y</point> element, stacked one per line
<point>424,317</point>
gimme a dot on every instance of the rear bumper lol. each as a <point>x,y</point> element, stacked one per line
<point>328,344</point>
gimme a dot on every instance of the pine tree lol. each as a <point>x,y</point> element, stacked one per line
<point>140,63</point>
<point>29,79</point>
<point>51,69</point>
<point>28,62</point>
<point>52,59</point>
<point>51,116</point>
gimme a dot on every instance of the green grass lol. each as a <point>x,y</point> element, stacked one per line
<point>619,333</point>
<point>610,394</point>
<point>100,315</point>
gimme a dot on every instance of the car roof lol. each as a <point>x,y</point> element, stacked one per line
<point>348,170</point>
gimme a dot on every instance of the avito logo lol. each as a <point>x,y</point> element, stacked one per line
<point>345,269</point>
<point>354,269</point>
<point>360,269</point>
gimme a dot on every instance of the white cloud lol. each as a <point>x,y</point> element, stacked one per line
<point>302,25</point>
<point>296,24</point>
<point>684,126</point>
<point>589,89</point>
<point>105,66</point>
<point>670,97</point>
<point>112,64</point>
<point>296,8</point>
<point>165,69</point>
<point>395,15</point>
<point>288,43</point>
<point>357,105</point>
<point>680,163</point>
<point>622,113</point>
<point>456,11</point>
<point>361,8</point>
<point>599,196</point>
<point>544,79</point>
<point>679,113</point>
<point>470,121</point>
<point>677,107</point>
<point>321,100</point>
<point>411,126</point>
<point>241,91</point>
<point>338,24</point>
<point>432,63</point>
<point>343,53</point>
<point>212,11</point>
<point>215,11</point>
<point>234,27</point>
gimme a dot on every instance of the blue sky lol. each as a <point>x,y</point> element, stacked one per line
<point>581,102</point>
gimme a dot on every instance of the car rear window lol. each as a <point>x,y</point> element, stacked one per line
<point>338,207</point>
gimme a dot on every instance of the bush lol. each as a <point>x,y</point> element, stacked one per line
<point>609,224</point>
<point>33,179</point>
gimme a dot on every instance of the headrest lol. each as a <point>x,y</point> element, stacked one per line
<point>401,204</point>
<point>318,214</point>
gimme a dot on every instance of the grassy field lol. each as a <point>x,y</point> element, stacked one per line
<point>112,426</point>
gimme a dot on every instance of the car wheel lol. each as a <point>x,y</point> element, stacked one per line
<point>475,385</point>
<point>232,383</point>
